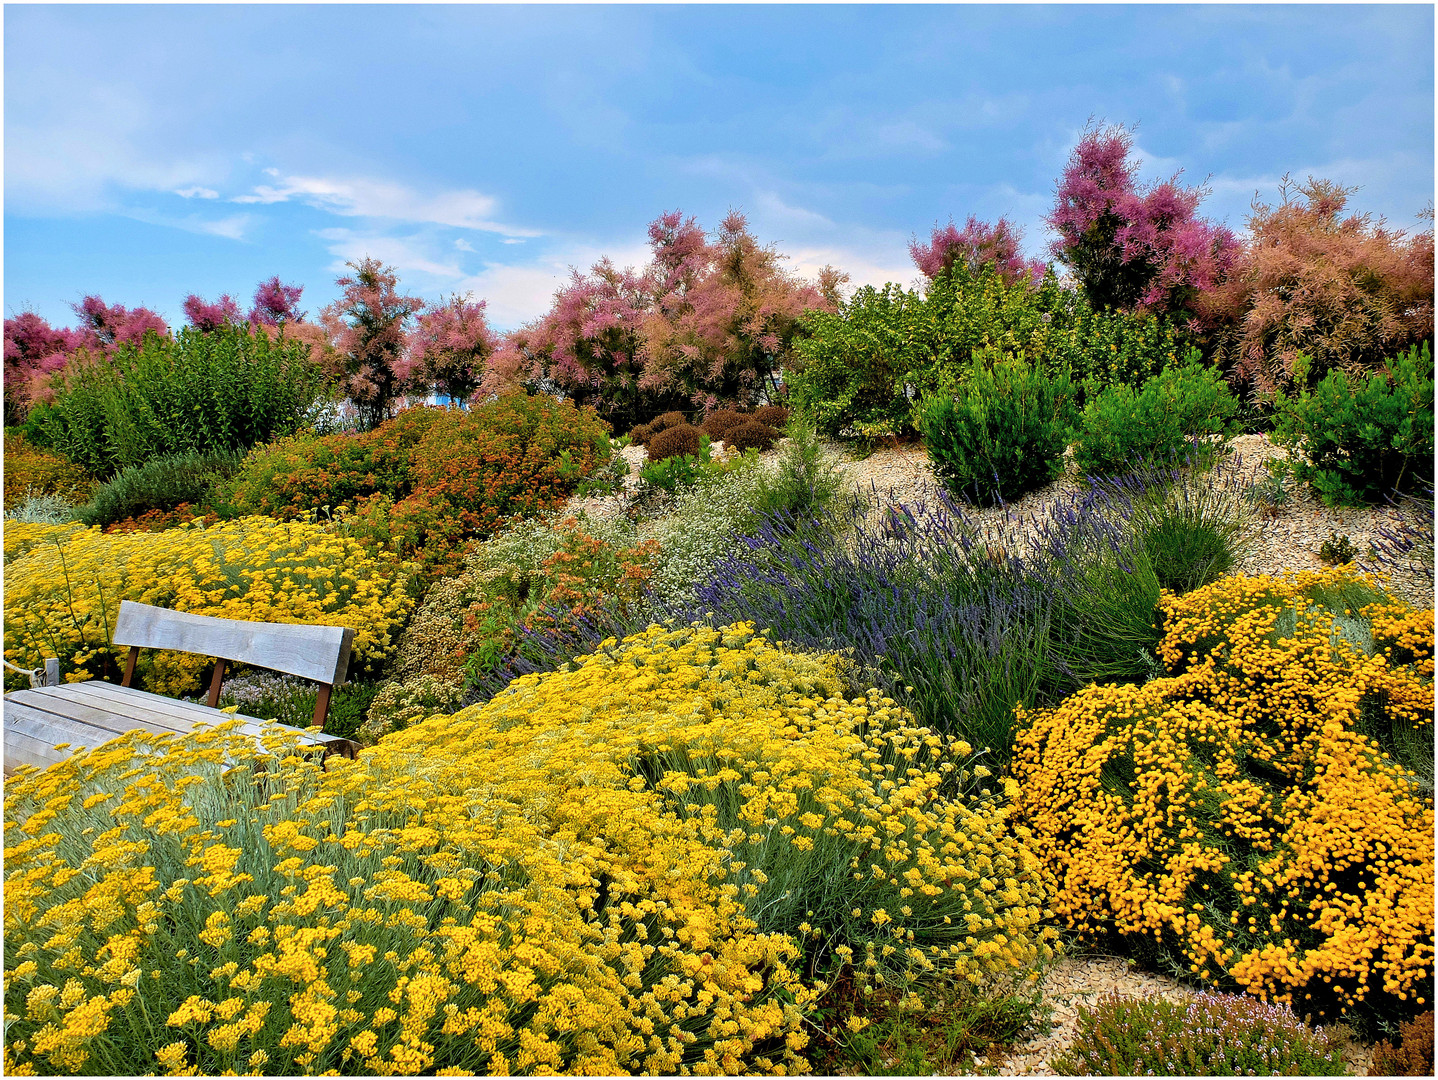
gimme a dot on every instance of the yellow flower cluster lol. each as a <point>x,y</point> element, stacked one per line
<point>635,865</point>
<point>64,584</point>
<point>1233,814</point>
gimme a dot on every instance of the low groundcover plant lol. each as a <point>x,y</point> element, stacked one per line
<point>1211,1035</point>
<point>648,862</point>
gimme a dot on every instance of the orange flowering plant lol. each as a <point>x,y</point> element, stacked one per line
<point>1242,818</point>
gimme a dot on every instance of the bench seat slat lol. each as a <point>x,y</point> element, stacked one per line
<point>188,713</point>
<point>100,712</point>
<point>50,728</point>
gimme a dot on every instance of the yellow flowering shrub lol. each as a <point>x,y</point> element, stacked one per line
<point>64,584</point>
<point>1233,818</point>
<point>635,865</point>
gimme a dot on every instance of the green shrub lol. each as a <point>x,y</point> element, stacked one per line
<point>804,480</point>
<point>222,390</point>
<point>1108,347</point>
<point>1365,438</point>
<point>1212,1035</point>
<point>672,473</point>
<point>850,369</point>
<point>751,435</point>
<point>1120,428</point>
<point>860,370</point>
<point>162,483</point>
<point>675,441</point>
<point>1003,435</point>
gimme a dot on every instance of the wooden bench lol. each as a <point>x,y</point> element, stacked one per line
<point>89,713</point>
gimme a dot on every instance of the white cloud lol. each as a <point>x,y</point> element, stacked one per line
<point>197,193</point>
<point>405,254</point>
<point>233,227</point>
<point>463,245</point>
<point>362,197</point>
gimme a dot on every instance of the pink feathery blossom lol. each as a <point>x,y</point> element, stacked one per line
<point>979,243</point>
<point>1131,246</point>
<point>276,303</point>
<point>450,346</point>
<point>206,316</point>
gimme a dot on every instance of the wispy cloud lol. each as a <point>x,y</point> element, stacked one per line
<point>363,197</point>
<point>197,192</point>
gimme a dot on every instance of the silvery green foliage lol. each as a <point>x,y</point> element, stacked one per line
<point>699,532</point>
<point>526,545</point>
<point>36,509</point>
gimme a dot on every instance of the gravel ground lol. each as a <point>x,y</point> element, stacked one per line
<point>1288,540</point>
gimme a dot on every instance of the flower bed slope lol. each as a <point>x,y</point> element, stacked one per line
<point>634,865</point>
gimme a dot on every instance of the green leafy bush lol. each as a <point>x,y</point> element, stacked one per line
<point>162,483</point>
<point>222,390</point>
<point>1364,438</point>
<point>850,369</point>
<point>1212,1035</point>
<point>1003,435</point>
<point>1108,347</point>
<point>1121,428</point>
<point>861,369</point>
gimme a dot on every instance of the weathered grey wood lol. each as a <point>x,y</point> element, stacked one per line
<point>52,728</point>
<point>320,653</point>
<point>123,714</point>
<point>182,716</point>
<point>91,714</point>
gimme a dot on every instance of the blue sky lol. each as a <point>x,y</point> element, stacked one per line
<point>154,151</point>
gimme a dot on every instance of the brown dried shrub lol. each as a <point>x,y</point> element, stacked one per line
<point>1413,1056</point>
<point>720,422</point>
<point>674,442</point>
<point>776,416</point>
<point>641,434</point>
<point>751,434</point>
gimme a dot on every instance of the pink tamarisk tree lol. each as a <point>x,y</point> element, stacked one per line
<point>976,245</point>
<point>368,327</point>
<point>450,347</point>
<point>1132,246</point>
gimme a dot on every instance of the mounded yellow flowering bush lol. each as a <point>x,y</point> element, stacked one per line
<point>1233,818</point>
<point>634,865</point>
<point>64,584</point>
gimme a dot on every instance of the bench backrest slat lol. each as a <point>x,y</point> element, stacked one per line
<point>321,653</point>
